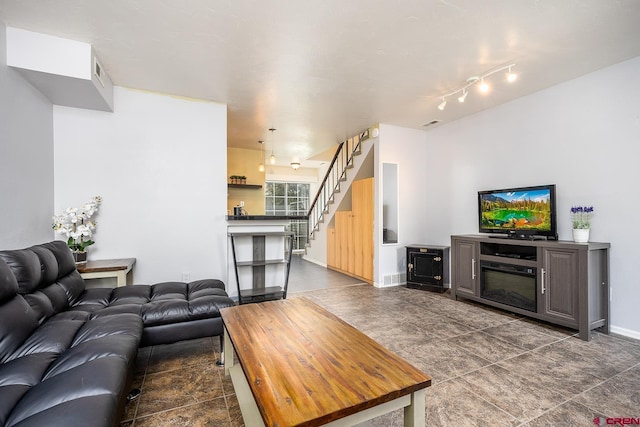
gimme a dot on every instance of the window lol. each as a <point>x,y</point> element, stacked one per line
<point>289,198</point>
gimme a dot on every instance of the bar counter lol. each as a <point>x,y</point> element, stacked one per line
<point>266,217</point>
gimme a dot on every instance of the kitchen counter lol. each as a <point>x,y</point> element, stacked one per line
<point>265,217</point>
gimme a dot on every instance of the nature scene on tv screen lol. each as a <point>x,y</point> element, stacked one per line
<point>518,210</point>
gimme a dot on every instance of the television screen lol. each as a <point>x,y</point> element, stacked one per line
<point>518,212</point>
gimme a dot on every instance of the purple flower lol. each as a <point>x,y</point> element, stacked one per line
<point>581,216</point>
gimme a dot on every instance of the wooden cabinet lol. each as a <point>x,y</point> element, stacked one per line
<point>561,282</point>
<point>464,271</point>
<point>343,240</point>
<point>331,247</point>
<point>362,209</point>
<point>351,250</point>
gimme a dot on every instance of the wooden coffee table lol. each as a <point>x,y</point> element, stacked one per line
<point>300,365</point>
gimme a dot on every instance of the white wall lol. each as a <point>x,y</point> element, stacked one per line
<point>26,159</point>
<point>582,135</point>
<point>159,162</point>
<point>407,148</point>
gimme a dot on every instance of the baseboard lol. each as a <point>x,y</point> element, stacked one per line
<point>388,285</point>
<point>625,332</point>
<point>313,261</point>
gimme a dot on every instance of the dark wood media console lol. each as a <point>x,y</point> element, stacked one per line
<point>560,282</point>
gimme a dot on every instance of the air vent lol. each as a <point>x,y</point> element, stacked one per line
<point>431,123</point>
<point>97,70</point>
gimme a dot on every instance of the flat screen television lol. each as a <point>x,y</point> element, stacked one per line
<point>525,212</point>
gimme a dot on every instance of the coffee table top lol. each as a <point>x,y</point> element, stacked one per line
<point>305,366</point>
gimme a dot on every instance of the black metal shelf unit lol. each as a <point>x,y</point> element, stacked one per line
<point>259,291</point>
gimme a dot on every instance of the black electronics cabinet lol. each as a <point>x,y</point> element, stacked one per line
<point>428,267</point>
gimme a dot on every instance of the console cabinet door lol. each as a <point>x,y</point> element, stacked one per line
<point>559,286</point>
<point>464,269</point>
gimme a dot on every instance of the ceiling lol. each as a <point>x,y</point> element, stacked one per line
<point>324,70</point>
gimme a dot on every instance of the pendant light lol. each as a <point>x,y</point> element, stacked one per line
<point>261,165</point>
<point>272,158</point>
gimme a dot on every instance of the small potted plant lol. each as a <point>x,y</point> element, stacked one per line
<point>581,222</point>
<point>243,179</point>
<point>76,224</point>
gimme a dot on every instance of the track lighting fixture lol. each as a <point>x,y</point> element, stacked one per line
<point>482,86</point>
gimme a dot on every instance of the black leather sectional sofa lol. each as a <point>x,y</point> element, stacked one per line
<point>67,353</point>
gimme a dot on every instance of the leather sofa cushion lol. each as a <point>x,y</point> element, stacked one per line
<point>17,323</point>
<point>8,283</point>
<point>159,304</point>
<point>68,362</point>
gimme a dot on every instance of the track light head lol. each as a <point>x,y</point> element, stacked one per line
<point>463,96</point>
<point>484,88</point>
<point>511,76</point>
<point>442,104</point>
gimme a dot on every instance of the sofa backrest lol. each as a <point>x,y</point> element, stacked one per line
<point>46,276</point>
<point>17,318</point>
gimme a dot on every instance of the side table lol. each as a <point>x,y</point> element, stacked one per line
<point>118,268</point>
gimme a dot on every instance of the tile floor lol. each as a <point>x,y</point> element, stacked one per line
<point>488,367</point>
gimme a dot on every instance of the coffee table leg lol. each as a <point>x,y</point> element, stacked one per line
<point>414,413</point>
<point>227,355</point>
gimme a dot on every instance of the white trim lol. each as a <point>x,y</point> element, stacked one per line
<point>625,332</point>
<point>321,264</point>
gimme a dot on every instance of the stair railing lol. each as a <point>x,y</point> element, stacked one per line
<point>342,160</point>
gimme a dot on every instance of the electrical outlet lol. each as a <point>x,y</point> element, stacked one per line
<point>186,276</point>
<point>242,203</point>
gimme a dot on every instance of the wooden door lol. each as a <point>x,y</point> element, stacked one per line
<point>331,247</point>
<point>362,204</point>
<point>343,236</point>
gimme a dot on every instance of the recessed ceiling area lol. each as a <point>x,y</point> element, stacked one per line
<point>322,71</point>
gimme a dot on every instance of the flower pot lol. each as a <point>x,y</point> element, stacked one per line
<point>581,235</point>
<point>80,257</point>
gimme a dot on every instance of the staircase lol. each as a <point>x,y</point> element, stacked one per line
<point>335,178</point>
